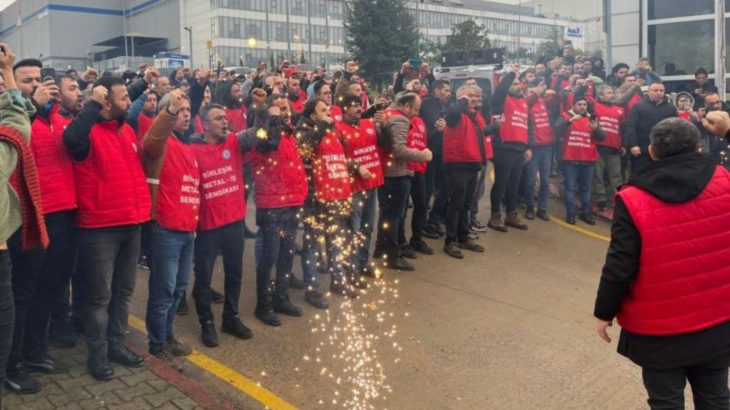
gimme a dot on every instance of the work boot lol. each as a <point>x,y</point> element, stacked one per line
<point>471,246</point>
<point>542,214</point>
<point>570,219</point>
<point>400,264</point>
<point>495,222</point>
<point>452,249</point>
<point>316,299</point>
<point>513,220</point>
<point>177,348</point>
<point>587,218</point>
<point>421,247</point>
<point>408,252</point>
<point>265,310</point>
<point>99,367</point>
<point>164,354</point>
<point>209,335</point>
<point>283,305</point>
<point>530,213</point>
<point>125,357</point>
<point>234,326</point>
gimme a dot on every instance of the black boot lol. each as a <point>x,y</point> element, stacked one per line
<point>100,368</point>
<point>570,219</point>
<point>283,305</point>
<point>265,309</point>
<point>125,357</point>
<point>209,335</point>
<point>316,299</point>
<point>234,326</point>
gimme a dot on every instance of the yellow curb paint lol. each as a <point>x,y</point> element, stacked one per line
<point>244,384</point>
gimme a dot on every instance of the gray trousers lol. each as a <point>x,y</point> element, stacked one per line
<point>108,261</point>
<point>607,177</point>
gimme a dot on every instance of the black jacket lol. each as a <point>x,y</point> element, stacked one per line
<point>431,111</point>
<point>674,180</point>
<point>642,118</point>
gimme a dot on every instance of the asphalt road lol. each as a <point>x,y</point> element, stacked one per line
<point>508,329</point>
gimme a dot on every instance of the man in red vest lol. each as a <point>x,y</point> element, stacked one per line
<point>579,133</point>
<point>113,202</point>
<point>297,96</point>
<point>219,153</point>
<point>174,179</point>
<point>40,274</point>
<point>666,278</point>
<point>607,176</point>
<point>359,137</point>
<point>543,105</point>
<point>282,189</point>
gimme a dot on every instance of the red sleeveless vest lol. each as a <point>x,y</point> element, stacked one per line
<point>577,142</point>
<point>460,142</point>
<point>280,177</point>
<point>178,197</point>
<point>635,99</point>
<point>482,123</point>
<point>198,125</point>
<point>514,127</point>
<point>236,119</point>
<point>55,167</point>
<point>683,282</point>
<point>221,177</point>
<point>336,112</point>
<point>610,118</point>
<point>110,184</point>
<point>361,145</point>
<point>540,120</point>
<point>417,139</point>
<point>331,177</point>
<point>298,105</point>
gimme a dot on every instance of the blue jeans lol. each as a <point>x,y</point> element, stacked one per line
<point>393,198</point>
<point>362,221</point>
<point>578,175</point>
<point>170,269</point>
<point>275,246</point>
<point>542,161</point>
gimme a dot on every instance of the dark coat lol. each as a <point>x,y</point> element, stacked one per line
<point>642,118</point>
<point>676,180</point>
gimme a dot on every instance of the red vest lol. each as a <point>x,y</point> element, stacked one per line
<point>198,125</point>
<point>331,179</point>
<point>487,138</point>
<point>635,99</point>
<point>417,139</point>
<point>610,118</point>
<point>336,112</point>
<point>683,282</point>
<point>361,145</point>
<point>111,187</point>
<point>221,177</point>
<point>55,166</point>
<point>461,142</point>
<point>577,142</point>
<point>236,119</point>
<point>298,105</point>
<point>178,196</point>
<point>144,122</point>
<point>540,121</point>
<point>280,177</point>
<point>685,115</point>
<point>514,127</point>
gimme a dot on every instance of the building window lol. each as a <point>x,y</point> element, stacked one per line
<point>681,48</point>
<point>662,9</point>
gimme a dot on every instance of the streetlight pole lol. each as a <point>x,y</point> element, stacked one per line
<point>189,29</point>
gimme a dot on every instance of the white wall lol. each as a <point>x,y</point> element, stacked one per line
<point>625,32</point>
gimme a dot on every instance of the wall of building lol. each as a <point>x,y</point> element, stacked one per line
<point>625,32</point>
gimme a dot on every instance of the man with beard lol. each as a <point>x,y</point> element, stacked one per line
<point>113,202</point>
<point>173,178</point>
<point>297,97</point>
<point>39,275</point>
<point>642,118</point>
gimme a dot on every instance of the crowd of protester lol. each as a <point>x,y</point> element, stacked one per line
<point>115,171</point>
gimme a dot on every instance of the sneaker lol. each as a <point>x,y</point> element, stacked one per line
<point>143,263</point>
<point>471,246</point>
<point>177,348</point>
<point>209,335</point>
<point>125,357</point>
<point>400,264</point>
<point>19,381</point>
<point>408,252</point>
<point>530,214</point>
<point>472,236</point>
<point>477,226</point>
<point>421,247</point>
<point>542,214</point>
<point>296,283</point>
<point>234,326</point>
<point>316,299</point>
<point>182,308</point>
<point>45,363</point>
<point>452,249</point>
<point>216,297</point>
<point>587,218</point>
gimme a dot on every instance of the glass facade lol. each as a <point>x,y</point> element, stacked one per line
<point>681,48</point>
<point>662,9</point>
